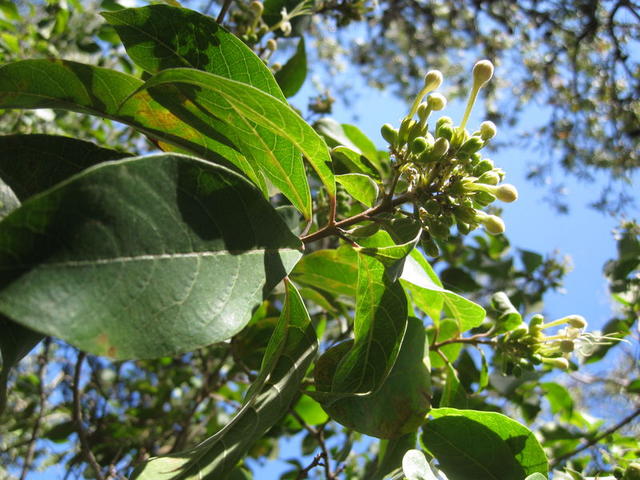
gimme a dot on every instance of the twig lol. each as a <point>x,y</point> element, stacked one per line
<point>31,449</point>
<point>77,419</point>
<point>333,228</point>
<point>473,340</point>
<point>223,10</point>
<point>304,473</point>
<point>596,439</point>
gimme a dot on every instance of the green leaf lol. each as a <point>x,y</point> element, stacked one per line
<point>634,386</point>
<point>383,248</point>
<point>332,271</point>
<point>158,37</point>
<point>415,466</point>
<point>531,260</point>
<point>390,454</point>
<point>355,162</point>
<point>453,393</point>
<point>361,187</point>
<point>33,163</point>
<point>143,258</point>
<point>110,94</point>
<point>288,355</point>
<point>423,289</point>
<point>264,128</point>
<point>16,342</point>
<point>292,75</point>
<point>445,330</point>
<point>474,445</point>
<point>379,326</point>
<point>399,406</point>
<point>508,316</point>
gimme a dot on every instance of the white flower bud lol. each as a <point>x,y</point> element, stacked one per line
<point>576,321</point>
<point>482,73</point>
<point>432,80</point>
<point>256,8</point>
<point>440,147</point>
<point>272,44</point>
<point>436,101</point>
<point>488,130</point>
<point>506,193</point>
<point>493,224</point>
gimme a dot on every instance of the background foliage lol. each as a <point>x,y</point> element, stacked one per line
<point>108,417</point>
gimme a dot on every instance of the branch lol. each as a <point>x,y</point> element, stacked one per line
<point>596,439</point>
<point>77,419</point>
<point>223,10</point>
<point>333,228</point>
<point>42,365</point>
<point>478,339</point>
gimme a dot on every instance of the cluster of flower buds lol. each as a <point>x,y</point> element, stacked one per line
<point>452,182</point>
<point>526,346</point>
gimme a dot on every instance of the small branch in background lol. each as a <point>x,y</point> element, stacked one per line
<point>43,359</point>
<point>223,10</point>
<point>625,421</point>
<point>77,419</point>
<point>304,473</point>
<point>318,433</point>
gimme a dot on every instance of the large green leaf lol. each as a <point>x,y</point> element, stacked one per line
<point>288,355</point>
<point>264,128</point>
<point>475,445</point>
<point>33,163</point>
<point>110,94</point>
<point>334,271</point>
<point>143,257</point>
<point>359,186</point>
<point>399,406</point>
<point>158,37</point>
<point>379,326</point>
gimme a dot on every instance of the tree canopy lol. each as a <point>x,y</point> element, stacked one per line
<point>207,278</point>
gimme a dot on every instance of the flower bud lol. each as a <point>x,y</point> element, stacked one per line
<point>471,146</point>
<point>506,193</point>
<point>276,67</point>
<point>493,224</point>
<point>432,80</point>
<point>405,126</point>
<point>423,112</point>
<point>256,8</point>
<point>419,145</point>
<point>445,131</point>
<point>272,44</point>
<point>416,130</point>
<point>390,134</point>
<point>483,166</point>
<point>535,323</point>
<point>464,214</point>
<point>444,121</point>
<point>436,101</point>
<point>439,230</point>
<point>558,362</point>
<point>576,321</point>
<point>488,130</point>
<point>440,147</point>
<point>489,178</point>
<point>463,228</point>
<point>482,73</point>
<point>566,346</point>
